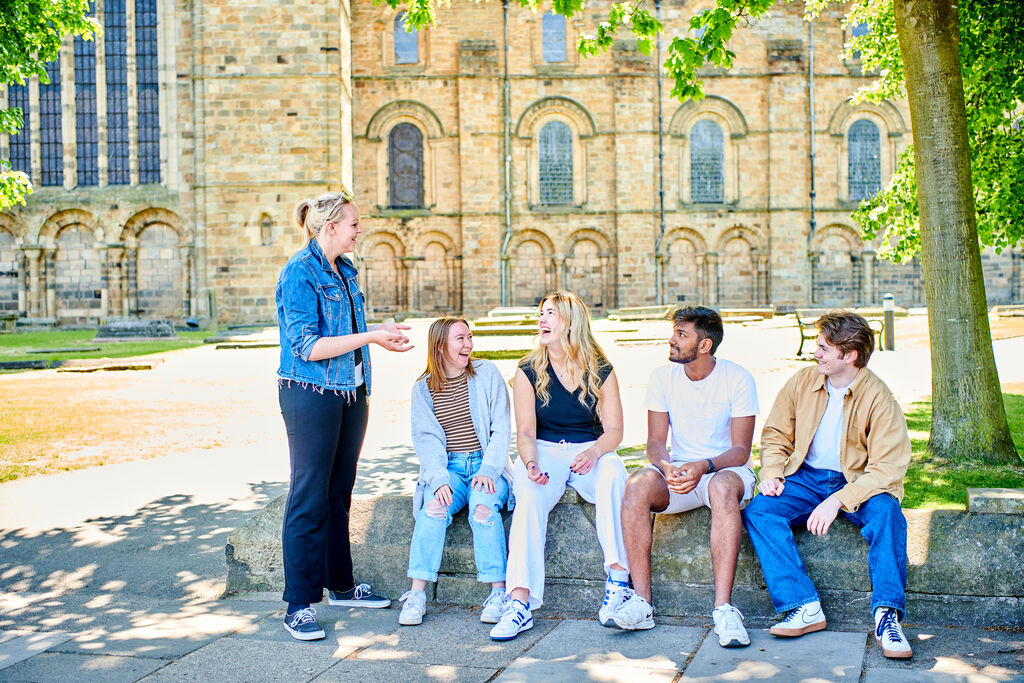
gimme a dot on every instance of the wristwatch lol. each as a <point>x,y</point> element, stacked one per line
<point>711,465</point>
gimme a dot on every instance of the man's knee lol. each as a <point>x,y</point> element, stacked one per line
<point>725,490</point>
<point>643,487</point>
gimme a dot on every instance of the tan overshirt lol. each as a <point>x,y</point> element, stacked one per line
<point>874,450</point>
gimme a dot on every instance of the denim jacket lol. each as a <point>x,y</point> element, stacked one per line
<point>313,302</point>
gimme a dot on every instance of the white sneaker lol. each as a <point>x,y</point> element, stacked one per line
<point>729,626</point>
<point>615,593</point>
<point>494,606</point>
<point>516,619</point>
<point>635,614</point>
<point>889,634</point>
<point>413,609</point>
<point>804,619</point>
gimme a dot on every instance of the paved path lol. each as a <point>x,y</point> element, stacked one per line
<point>113,573</point>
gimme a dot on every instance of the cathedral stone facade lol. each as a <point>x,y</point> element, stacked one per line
<point>168,154</point>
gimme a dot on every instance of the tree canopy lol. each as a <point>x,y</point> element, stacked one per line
<point>31,34</point>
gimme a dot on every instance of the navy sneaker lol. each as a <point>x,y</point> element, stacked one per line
<point>360,596</point>
<point>303,625</point>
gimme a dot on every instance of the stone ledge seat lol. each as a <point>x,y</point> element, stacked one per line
<point>963,567</point>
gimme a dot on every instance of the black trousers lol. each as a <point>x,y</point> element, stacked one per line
<point>325,436</point>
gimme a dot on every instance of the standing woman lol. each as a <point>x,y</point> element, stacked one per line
<point>323,383</point>
<point>568,423</point>
<point>460,430</point>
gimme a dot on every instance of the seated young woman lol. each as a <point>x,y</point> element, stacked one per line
<point>568,424</point>
<point>460,430</point>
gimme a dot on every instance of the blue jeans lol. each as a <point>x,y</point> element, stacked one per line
<point>488,534</point>
<point>769,521</point>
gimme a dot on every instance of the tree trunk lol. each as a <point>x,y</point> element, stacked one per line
<point>968,418</point>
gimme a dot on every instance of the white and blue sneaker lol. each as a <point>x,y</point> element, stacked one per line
<point>302,625</point>
<point>615,593</point>
<point>516,619</point>
<point>889,634</point>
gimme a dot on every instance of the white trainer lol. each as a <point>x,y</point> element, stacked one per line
<point>729,626</point>
<point>615,593</point>
<point>635,614</point>
<point>413,608</point>
<point>516,619</point>
<point>494,606</point>
<point>804,619</point>
<point>889,634</point>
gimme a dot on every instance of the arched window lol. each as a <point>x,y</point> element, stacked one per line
<point>405,166</point>
<point>707,163</point>
<point>21,144</point>
<point>148,91</point>
<point>115,46</point>
<point>553,37</point>
<point>86,125</point>
<point>555,157</point>
<point>865,160</point>
<point>407,47</point>
<point>266,230</point>
<point>50,132</point>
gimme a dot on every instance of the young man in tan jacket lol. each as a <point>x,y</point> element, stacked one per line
<point>835,440</point>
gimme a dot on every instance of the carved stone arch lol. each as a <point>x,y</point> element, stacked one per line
<point>392,113</point>
<point>555,107</point>
<point>592,235</point>
<point>383,280</point>
<point>847,113</point>
<point>528,235</point>
<point>435,277</point>
<point>700,245</point>
<point>531,267</point>
<point>141,220</point>
<point>61,220</point>
<point>371,240</point>
<point>265,235</point>
<point>845,232</point>
<point>751,236</point>
<point>382,21</point>
<point>15,227</point>
<point>435,236</point>
<point>837,266</point>
<point>714,106</point>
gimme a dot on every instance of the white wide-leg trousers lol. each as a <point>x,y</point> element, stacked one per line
<point>602,485</point>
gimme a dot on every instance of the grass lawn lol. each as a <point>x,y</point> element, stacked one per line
<point>931,482</point>
<point>26,345</point>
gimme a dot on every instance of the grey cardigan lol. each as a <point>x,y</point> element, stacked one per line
<point>488,405</point>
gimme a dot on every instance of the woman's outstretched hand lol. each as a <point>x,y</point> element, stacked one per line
<point>391,340</point>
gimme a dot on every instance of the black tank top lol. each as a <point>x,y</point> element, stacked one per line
<point>564,418</point>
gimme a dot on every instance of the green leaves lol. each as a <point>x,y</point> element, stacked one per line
<point>641,23</point>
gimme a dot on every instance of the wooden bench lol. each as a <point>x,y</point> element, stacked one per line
<point>806,317</point>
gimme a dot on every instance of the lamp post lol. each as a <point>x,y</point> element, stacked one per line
<point>889,309</point>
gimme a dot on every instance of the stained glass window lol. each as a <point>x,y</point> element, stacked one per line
<point>50,133</point>
<point>86,128</point>
<point>147,79</point>
<point>555,157</point>
<point>116,51</point>
<point>707,163</point>
<point>407,48</point>
<point>405,165</point>
<point>21,144</point>
<point>865,160</point>
<point>553,37</point>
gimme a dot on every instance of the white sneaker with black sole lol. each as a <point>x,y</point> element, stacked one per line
<point>360,596</point>
<point>302,625</point>
<point>806,618</point>
<point>729,626</point>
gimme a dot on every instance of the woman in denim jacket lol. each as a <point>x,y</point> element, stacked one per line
<point>460,430</point>
<point>323,382</point>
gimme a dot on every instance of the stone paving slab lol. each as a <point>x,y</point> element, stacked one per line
<point>954,651</point>
<point>821,656</point>
<point>239,659</point>
<point>349,670</point>
<point>60,666</point>
<point>150,628</point>
<point>587,642</point>
<point>8,635</point>
<point>529,670</point>
<point>893,676</point>
<point>346,628</point>
<point>24,646</point>
<point>465,642</point>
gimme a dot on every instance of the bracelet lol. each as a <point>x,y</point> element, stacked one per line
<point>532,462</point>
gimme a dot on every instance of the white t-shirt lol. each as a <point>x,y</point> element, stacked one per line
<point>700,413</point>
<point>823,453</point>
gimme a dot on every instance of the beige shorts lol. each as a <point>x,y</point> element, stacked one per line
<point>681,502</point>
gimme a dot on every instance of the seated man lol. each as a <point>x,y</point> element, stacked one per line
<point>836,439</point>
<point>711,406</point>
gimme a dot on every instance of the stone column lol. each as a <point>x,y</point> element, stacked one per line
<point>22,261</point>
<point>193,290</point>
<point>113,256</point>
<point>50,268</point>
<point>867,269</point>
<point>33,258</point>
<point>131,265</point>
<point>760,277</point>
<point>561,273</point>
<point>856,275</point>
<point>1016,291</point>
<point>711,259</point>
<point>813,257</point>
<point>186,289</point>
<point>607,282</point>
<point>411,295</point>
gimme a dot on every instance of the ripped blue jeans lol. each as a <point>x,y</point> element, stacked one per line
<point>488,530</point>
